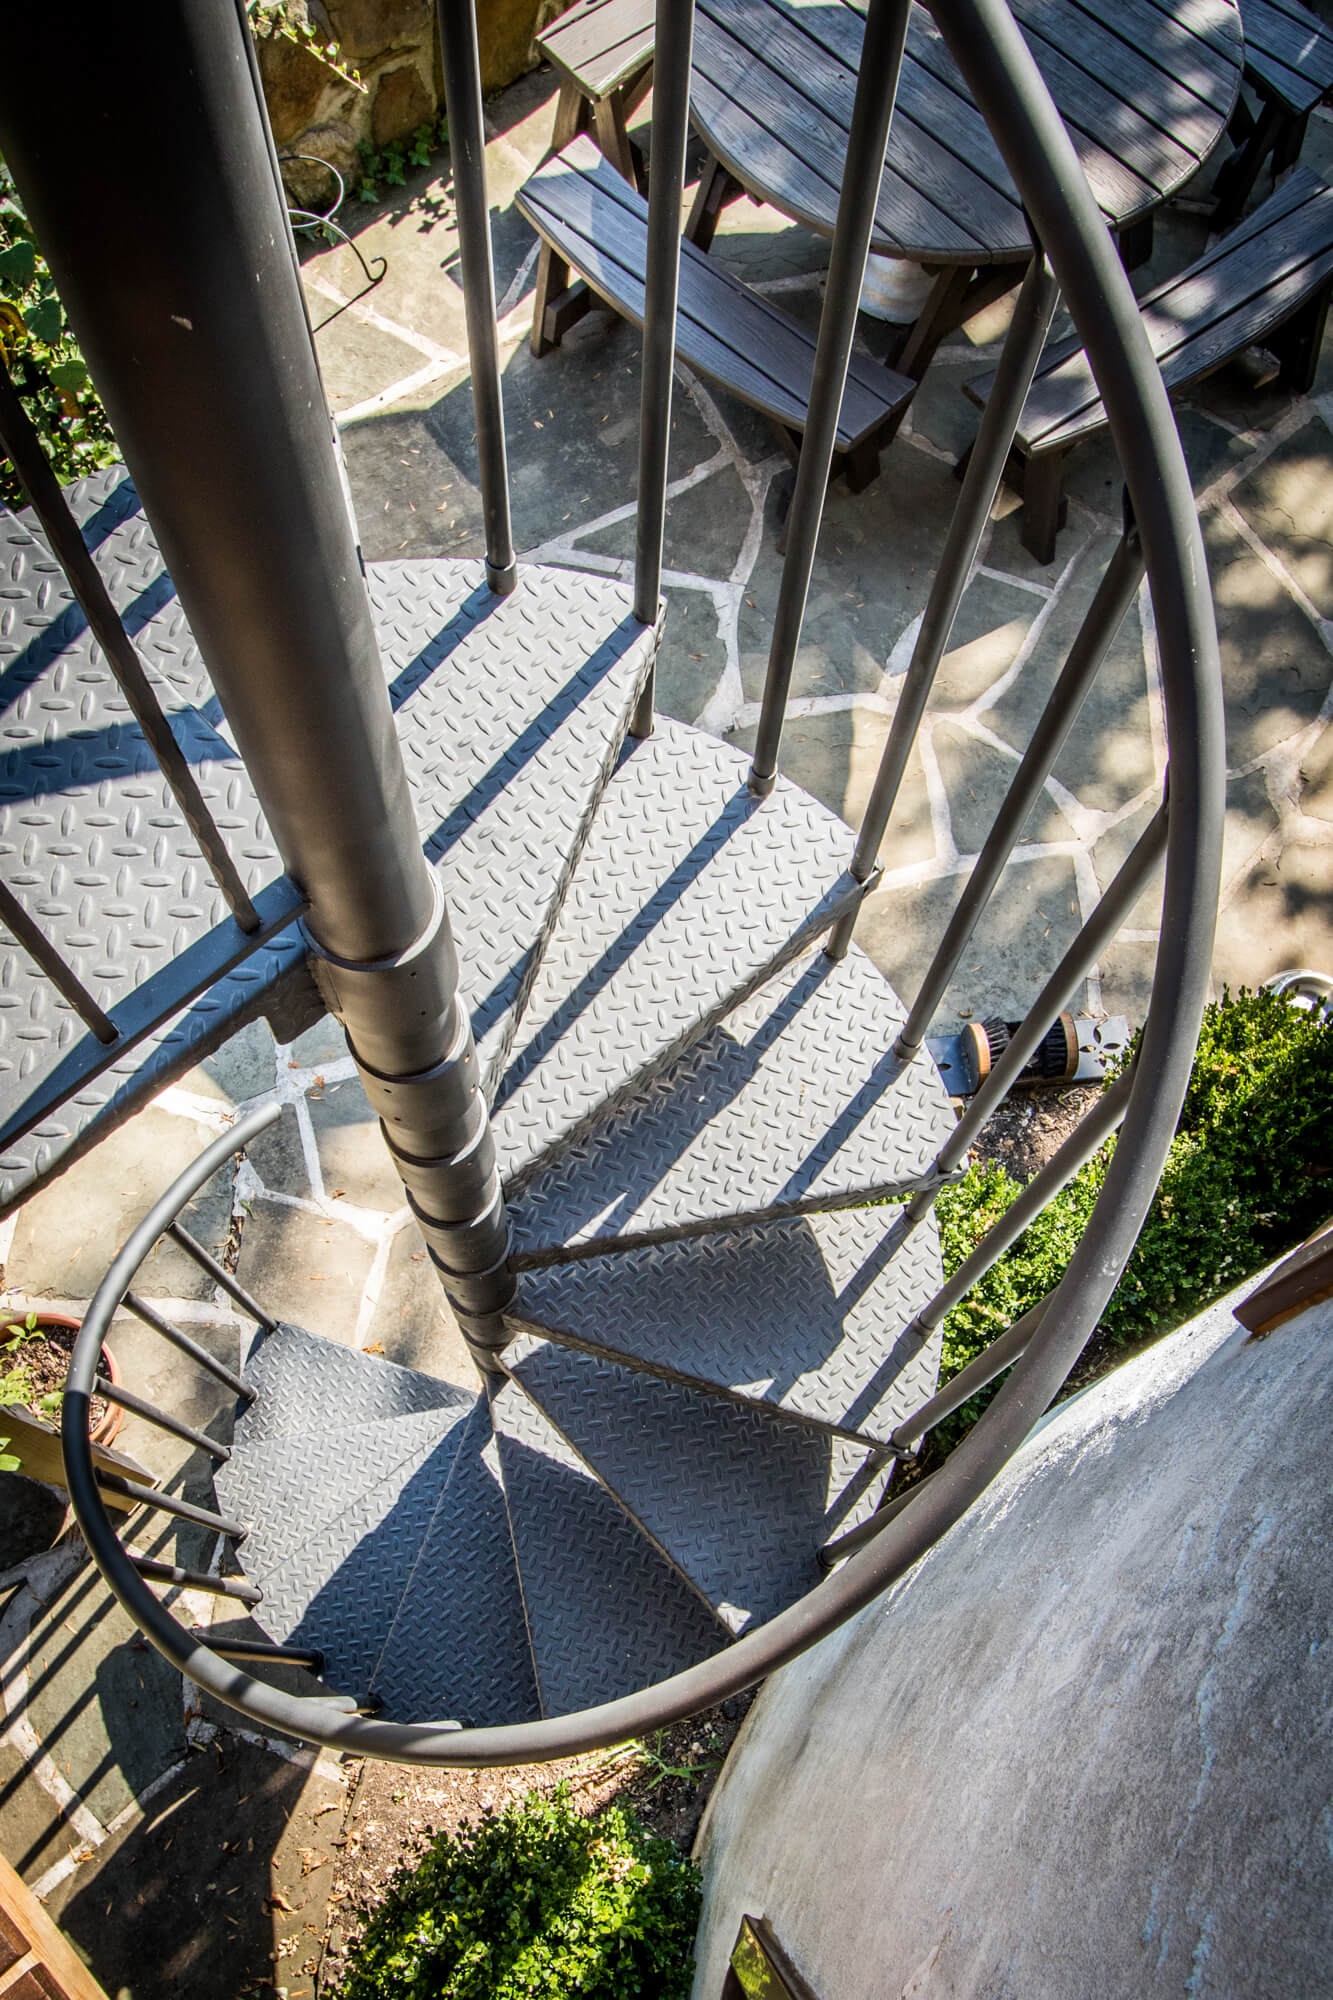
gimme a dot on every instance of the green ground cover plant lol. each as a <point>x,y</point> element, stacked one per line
<point>1249,1175</point>
<point>535,1903</point>
<point>43,357</point>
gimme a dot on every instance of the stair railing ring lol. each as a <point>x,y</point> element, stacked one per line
<point>1007,87</point>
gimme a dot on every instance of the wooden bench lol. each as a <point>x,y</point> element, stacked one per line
<point>1268,281</point>
<point>1289,66</point>
<point>602,51</point>
<point>593,220</point>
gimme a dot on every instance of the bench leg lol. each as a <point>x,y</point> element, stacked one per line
<point>1134,242</point>
<point>608,120</point>
<point>1288,148</point>
<point>573,114</point>
<point>716,188</point>
<point>1045,508</point>
<point>1240,172</point>
<point>1297,344</point>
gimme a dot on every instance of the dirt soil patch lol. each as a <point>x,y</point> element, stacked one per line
<point>44,1358</point>
<point>1032,1125</point>
<point>395,1810</point>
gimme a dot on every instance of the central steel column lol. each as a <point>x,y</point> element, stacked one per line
<point>154,197</point>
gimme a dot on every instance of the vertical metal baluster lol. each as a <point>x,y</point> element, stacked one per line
<point>467,155</point>
<point>995,436</point>
<point>20,440</point>
<point>1114,595</point>
<point>872,111</point>
<point>666,183</point>
<point>1086,949</point>
<point>38,946</point>
<point>1076,1151</point>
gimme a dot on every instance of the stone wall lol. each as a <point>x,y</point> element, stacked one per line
<point>391,45</point>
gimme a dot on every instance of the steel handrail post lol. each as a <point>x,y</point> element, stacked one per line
<point>1114,595</point>
<point>666,183</point>
<point>1023,344</point>
<point>872,114</point>
<point>467,155</point>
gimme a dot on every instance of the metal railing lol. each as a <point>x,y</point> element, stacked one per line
<point>1077,256</point>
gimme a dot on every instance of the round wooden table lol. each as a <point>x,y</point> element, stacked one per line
<point>1146,88</point>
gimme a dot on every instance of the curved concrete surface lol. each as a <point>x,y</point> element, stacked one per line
<point>1084,1748</point>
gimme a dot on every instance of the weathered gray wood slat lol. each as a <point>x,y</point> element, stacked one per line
<point>1209,21</point>
<point>1237,293</point>
<point>1155,35</point>
<point>1130,162</point>
<point>1292,58</point>
<point>768,48</point>
<point>1185,127</point>
<point>1119,191</point>
<point>781,139</point>
<point>601,46</point>
<point>599,225</point>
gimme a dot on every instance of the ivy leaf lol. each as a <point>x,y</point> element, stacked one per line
<point>18,264</point>
<point>44,321</point>
<point>71,375</point>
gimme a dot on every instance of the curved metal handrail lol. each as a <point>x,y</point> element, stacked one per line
<point>1006,85</point>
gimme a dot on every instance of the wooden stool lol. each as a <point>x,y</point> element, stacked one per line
<point>602,51</point>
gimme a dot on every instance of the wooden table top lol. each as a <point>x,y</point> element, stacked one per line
<point>1145,86</point>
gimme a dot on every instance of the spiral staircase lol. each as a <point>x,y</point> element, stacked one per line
<point>712,1134</point>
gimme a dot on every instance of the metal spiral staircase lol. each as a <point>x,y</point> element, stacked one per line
<point>642,1154</point>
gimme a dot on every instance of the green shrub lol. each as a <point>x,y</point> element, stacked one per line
<point>42,356</point>
<point>1248,1176</point>
<point>535,1904</point>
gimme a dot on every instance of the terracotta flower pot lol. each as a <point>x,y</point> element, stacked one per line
<point>108,1426</point>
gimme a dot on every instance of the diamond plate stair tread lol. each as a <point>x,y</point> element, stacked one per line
<point>605,1613</point>
<point>807,1063</point>
<point>511,712</point>
<point>115,527</point>
<point>738,1499</point>
<point>458,1648</point>
<point>306,1385</point>
<point>339,1585</point>
<point>289,1490</point>
<point>805,1316</point>
<point>688,894</point>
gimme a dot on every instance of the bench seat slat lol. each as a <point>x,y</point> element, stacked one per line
<point>1239,291</point>
<point>601,46</point>
<point>598,224</point>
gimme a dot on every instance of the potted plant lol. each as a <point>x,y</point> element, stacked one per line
<point>35,1346</point>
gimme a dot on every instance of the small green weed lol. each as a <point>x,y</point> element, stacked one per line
<point>1248,1176</point>
<point>535,1904</point>
<point>17,1385</point>
<point>389,166</point>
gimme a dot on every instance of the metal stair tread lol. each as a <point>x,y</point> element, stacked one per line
<point>804,1315</point>
<point>458,1648</point>
<point>793,1102</point>
<point>605,1613</point>
<point>737,1499</point>
<point>689,893</point>
<point>339,1587</point>
<point>291,1489</point>
<point>306,1384</point>
<point>511,712</point>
